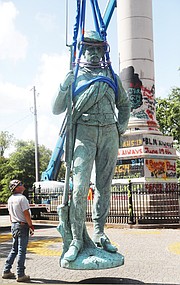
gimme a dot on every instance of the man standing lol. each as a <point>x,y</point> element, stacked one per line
<point>18,207</point>
<point>96,138</point>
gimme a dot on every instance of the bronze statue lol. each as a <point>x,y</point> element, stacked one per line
<point>95,139</point>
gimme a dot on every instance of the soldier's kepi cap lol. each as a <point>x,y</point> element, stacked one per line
<point>13,184</point>
<point>92,37</point>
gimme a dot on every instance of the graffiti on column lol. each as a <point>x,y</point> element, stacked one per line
<point>141,98</point>
<point>160,168</point>
<point>129,168</point>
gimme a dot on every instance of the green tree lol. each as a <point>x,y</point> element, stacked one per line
<point>168,116</point>
<point>6,141</point>
<point>4,169</point>
<point>21,165</point>
<point>62,171</point>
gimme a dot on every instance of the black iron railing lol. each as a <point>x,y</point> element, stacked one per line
<point>133,203</point>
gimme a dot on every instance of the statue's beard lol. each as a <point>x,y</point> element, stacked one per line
<point>99,64</point>
<point>94,60</point>
<point>93,64</point>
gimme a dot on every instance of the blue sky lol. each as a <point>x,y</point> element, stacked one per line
<point>33,52</point>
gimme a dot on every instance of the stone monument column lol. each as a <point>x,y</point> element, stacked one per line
<point>135,42</point>
<point>146,155</point>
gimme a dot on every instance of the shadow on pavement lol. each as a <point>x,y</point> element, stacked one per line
<point>110,280</point>
<point>100,280</point>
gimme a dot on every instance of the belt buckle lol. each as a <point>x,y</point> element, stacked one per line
<point>102,118</point>
<point>85,117</point>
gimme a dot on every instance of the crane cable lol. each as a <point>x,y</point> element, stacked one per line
<point>100,28</point>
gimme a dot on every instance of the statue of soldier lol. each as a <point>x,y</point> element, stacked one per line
<point>96,139</point>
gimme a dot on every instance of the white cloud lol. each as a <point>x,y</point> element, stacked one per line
<point>17,104</point>
<point>13,45</point>
<point>13,98</point>
<point>50,74</point>
<point>47,21</point>
<point>47,132</point>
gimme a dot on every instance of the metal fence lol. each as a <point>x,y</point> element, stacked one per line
<point>133,203</point>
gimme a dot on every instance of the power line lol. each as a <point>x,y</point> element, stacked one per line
<point>16,122</point>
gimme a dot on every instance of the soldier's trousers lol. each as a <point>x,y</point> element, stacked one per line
<point>99,144</point>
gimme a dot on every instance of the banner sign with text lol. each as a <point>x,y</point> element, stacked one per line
<point>146,140</point>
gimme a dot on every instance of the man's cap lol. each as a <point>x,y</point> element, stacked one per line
<point>13,184</point>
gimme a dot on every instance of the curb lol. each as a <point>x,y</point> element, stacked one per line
<point>113,225</point>
<point>48,223</point>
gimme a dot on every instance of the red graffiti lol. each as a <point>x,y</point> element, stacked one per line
<point>171,166</point>
<point>147,92</point>
<point>136,85</point>
<point>150,115</point>
<point>152,124</point>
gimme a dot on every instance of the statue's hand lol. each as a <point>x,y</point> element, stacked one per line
<point>69,79</point>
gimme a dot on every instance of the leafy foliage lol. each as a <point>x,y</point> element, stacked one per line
<point>21,165</point>
<point>168,116</point>
<point>6,140</point>
<point>4,170</point>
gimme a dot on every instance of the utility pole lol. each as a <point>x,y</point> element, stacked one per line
<point>36,137</point>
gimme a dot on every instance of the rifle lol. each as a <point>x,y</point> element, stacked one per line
<point>63,209</point>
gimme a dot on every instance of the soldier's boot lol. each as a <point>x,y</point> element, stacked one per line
<point>73,250</point>
<point>101,240</point>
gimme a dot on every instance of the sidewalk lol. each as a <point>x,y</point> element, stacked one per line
<point>152,256</point>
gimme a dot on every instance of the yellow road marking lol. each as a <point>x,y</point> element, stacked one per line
<point>174,248</point>
<point>45,247</point>
<point>4,238</point>
<point>142,232</point>
<point>42,247</point>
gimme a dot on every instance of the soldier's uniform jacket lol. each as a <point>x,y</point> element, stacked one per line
<point>96,105</point>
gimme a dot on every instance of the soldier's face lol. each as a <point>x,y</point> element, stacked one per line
<point>93,54</point>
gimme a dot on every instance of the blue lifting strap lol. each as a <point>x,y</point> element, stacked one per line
<point>98,78</point>
<point>101,29</point>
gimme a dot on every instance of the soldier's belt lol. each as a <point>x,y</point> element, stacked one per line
<point>105,118</point>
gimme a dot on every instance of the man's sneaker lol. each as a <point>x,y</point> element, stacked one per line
<point>23,278</point>
<point>8,275</point>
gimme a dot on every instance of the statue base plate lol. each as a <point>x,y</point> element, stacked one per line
<point>92,258</point>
